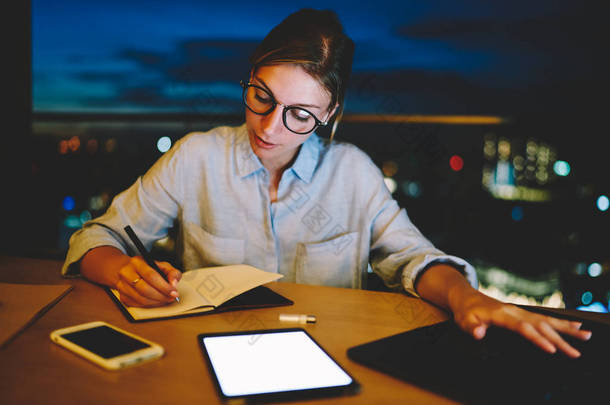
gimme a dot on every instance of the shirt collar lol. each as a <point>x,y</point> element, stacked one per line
<point>308,158</point>
<point>248,163</point>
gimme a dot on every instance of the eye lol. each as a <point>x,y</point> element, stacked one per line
<point>300,115</point>
<point>262,96</point>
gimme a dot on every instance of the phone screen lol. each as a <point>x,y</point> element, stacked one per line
<point>105,342</point>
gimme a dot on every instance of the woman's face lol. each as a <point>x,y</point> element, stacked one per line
<point>289,85</point>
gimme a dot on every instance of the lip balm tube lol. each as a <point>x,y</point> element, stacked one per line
<point>298,318</point>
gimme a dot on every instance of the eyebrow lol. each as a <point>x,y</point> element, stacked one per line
<point>292,105</point>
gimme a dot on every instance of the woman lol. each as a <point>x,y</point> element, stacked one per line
<point>272,194</point>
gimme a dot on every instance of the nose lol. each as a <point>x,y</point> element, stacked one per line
<point>272,122</point>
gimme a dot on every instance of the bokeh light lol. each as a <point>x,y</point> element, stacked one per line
<point>390,184</point>
<point>74,143</point>
<point>62,147</point>
<point>517,213</point>
<point>593,307</point>
<point>603,203</point>
<point>85,216</point>
<point>594,269</point>
<point>110,145</point>
<point>68,203</point>
<point>561,168</point>
<point>389,168</point>
<point>411,188</point>
<point>164,144</point>
<point>456,163</point>
<point>92,146</point>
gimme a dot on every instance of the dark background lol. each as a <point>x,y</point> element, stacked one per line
<point>540,67</point>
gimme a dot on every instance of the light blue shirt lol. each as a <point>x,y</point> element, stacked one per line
<point>334,217</point>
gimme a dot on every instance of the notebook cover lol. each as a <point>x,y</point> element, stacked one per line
<point>259,297</point>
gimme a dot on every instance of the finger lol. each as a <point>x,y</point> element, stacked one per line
<point>149,292</point>
<point>479,331</point>
<point>137,299</point>
<point>571,328</point>
<point>473,325</point>
<point>127,276</point>
<point>554,338</point>
<point>136,286</point>
<point>173,275</point>
<point>528,331</point>
<point>154,279</point>
<point>125,285</point>
<point>125,299</point>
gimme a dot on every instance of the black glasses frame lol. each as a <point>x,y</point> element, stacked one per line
<point>274,104</point>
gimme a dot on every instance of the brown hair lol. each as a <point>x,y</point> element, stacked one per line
<point>314,40</point>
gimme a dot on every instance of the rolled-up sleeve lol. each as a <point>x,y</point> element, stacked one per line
<point>399,251</point>
<point>150,206</point>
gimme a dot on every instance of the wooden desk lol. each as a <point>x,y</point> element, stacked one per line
<point>35,370</point>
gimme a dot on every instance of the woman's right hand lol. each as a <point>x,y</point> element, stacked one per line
<point>141,286</point>
<point>138,284</point>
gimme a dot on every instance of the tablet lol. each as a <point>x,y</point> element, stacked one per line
<point>280,364</point>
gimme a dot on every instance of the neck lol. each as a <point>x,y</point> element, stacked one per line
<point>277,166</point>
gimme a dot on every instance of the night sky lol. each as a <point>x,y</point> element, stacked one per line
<point>450,57</point>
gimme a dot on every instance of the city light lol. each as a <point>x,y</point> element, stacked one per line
<point>586,298</point>
<point>96,203</point>
<point>389,168</point>
<point>85,216</point>
<point>390,184</point>
<point>62,147</point>
<point>411,188</point>
<point>594,269</point>
<point>603,203</point>
<point>111,145</point>
<point>593,307</point>
<point>68,203</point>
<point>72,221</point>
<point>74,143</point>
<point>456,163</point>
<point>92,146</point>
<point>164,144</point>
<point>517,214</point>
<point>561,168</point>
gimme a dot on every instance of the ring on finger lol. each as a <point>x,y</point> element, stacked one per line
<point>134,282</point>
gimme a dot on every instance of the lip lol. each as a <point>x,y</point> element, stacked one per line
<point>262,144</point>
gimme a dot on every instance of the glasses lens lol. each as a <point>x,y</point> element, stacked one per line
<point>258,100</point>
<point>296,119</point>
<point>299,120</point>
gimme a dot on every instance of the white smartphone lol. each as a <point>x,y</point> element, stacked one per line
<point>106,345</point>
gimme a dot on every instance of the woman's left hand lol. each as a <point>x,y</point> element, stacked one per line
<point>474,312</point>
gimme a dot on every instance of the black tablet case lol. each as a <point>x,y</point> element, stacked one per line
<point>503,368</point>
<point>259,297</point>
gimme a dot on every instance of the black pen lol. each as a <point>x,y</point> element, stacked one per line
<point>136,241</point>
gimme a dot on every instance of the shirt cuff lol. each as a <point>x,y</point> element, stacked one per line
<point>461,265</point>
<point>81,242</point>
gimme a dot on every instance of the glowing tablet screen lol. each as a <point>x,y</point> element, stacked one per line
<point>271,362</point>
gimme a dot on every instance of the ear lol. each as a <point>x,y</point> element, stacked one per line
<point>252,74</point>
<point>332,112</point>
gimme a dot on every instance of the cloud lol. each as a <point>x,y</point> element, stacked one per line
<point>547,33</point>
<point>414,91</point>
<point>197,60</point>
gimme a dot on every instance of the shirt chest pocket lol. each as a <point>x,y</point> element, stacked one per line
<point>333,262</point>
<point>202,249</point>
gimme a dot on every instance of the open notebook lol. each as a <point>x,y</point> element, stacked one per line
<point>213,289</point>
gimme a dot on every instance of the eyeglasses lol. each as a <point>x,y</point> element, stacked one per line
<point>296,119</point>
